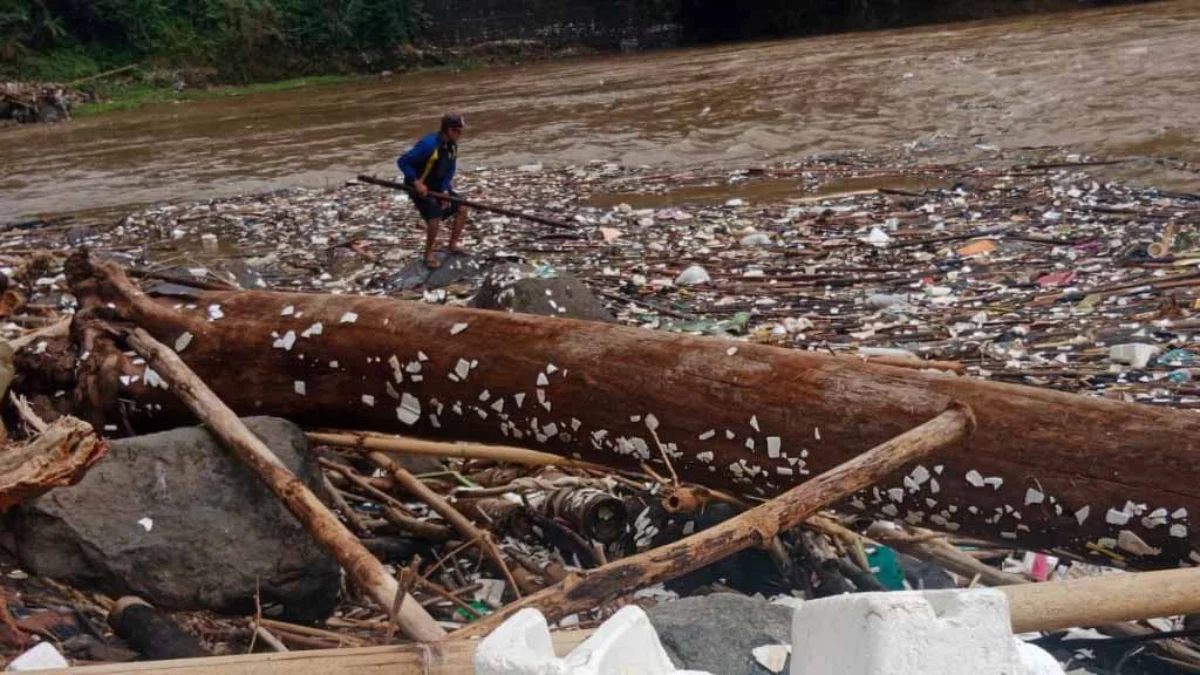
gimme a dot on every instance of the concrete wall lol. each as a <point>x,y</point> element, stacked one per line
<point>603,24</point>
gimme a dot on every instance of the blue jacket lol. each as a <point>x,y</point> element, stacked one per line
<point>421,160</point>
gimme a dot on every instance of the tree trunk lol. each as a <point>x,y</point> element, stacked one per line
<point>1048,469</point>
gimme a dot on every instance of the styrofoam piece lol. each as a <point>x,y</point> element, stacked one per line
<point>693,276</point>
<point>1135,354</point>
<point>626,643</point>
<point>917,632</point>
<point>1038,661</point>
<point>519,646</point>
<point>41,657</point>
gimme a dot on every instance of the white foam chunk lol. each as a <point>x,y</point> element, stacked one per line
<point>625,643</point>
<point>912,633</point>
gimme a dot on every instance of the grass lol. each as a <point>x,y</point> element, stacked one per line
<point>132,96</point>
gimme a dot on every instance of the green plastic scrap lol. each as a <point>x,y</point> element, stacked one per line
<point>886,567</point>
<point>477,606</point>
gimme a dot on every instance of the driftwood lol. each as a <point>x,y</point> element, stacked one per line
<point>59,456</point>
<point>750,528</point>
<point>1047,469</point>
<point>360,565</point>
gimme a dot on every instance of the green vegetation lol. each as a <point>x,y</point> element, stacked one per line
<point>223,40</point>
<point>125,96</point>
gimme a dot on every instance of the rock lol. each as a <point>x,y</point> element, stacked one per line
<point>454,268</point>
<point>177,519</point>
<point>720,632</point>
<point>521,289</point>
<point>756,239</point>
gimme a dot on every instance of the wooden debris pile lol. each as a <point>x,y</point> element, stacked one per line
<point>813,416</point>
<point>29,102</point>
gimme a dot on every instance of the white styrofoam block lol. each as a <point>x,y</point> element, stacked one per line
<point>1038,661</point>
<point>519,646</point>
<point>625,644</point>
<point>41,657</point>
<point>918,632</point>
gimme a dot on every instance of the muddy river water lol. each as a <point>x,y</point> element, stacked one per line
<point>1119,82</point>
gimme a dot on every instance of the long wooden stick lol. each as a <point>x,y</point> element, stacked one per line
<point>358,562</point>
<point>445,658</point>
<point>360,440</point>
<point>475,205</point>
<point>1102,600</point>
<point>435,501</point>
<point>750,528</point>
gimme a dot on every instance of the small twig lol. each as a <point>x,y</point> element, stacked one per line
<point>269,638</point>
<point>27,414</point>
<point>441,592</point>
<point>408,576</point>
<point>445,510</point>
<point>347,512</point>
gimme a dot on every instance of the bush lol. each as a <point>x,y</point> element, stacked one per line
<point>243,39</point>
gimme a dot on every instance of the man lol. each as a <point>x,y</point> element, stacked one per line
<point>429,167</point>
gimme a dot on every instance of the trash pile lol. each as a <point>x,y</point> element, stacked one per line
<point>29,102</point>
<point>1034,274</point>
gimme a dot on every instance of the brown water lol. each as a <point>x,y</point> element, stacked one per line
<point>1115,82</point>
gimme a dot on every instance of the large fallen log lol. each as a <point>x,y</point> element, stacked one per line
<point>1049,469</point>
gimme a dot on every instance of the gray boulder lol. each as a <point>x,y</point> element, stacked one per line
<point>177,519</point>
<point>517,288</point>
<point>719,632</point>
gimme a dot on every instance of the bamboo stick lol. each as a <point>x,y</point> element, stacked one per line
<point>1057,605</point>
<point>475,205</point>
<point>365,441</point>
<point>358,562</point>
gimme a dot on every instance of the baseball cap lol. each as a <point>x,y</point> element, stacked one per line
<point>453,120</point>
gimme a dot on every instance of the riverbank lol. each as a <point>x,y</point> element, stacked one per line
<point>1126,86</point>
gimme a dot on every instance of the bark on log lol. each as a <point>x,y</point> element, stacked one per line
<point>750,528</point>
<point>360,565</point>
<point>1048,469</point>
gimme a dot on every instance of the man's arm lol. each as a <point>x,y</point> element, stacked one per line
<point>412,162</point>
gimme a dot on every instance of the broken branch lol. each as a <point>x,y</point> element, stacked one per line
<point>751,528</point>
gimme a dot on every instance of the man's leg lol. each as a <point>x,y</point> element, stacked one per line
<point>432,226</point>
<point>456,230</point>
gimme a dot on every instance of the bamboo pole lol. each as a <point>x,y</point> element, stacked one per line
<point>750,528</point>
<point>367,441</point>
<point>475,205</point>
<point>358,562</point>
<point>445,658</point>
<point>1102,600</point>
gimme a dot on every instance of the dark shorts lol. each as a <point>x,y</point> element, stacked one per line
<point>431,207</point>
